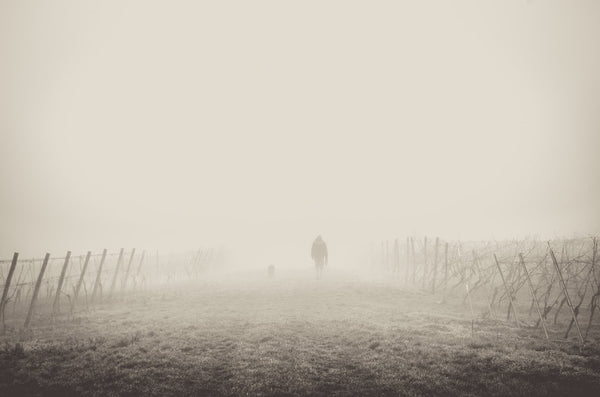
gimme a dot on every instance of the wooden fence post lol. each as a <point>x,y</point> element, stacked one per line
<point>435,263</point>
<point>56,305</point>
<point>127,271</point>
<point>11,271</point>
<point>38,284</point>
<point>508,291</point>
<point>564,286</point>
<point>114,280</point>
<point>537,305</point>
<point>140,264</point>
<point>85,265</point>
<point>97,282</point>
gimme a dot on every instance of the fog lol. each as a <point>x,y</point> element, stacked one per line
<point>167,166</point>
<point>257,126</point>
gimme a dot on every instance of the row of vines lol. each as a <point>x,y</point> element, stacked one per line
<point>541,278</point>
<point>55,284</point>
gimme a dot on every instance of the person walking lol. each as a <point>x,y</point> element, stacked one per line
<point>319,255</point>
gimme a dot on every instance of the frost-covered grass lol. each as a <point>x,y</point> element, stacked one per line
<point>291,336</point>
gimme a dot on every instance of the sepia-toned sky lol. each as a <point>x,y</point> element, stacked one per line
<point>172,124</point>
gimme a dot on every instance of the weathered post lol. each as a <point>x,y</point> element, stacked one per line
<point>114,280</point>
<point>97,282</point>
<point>564,287</point>
<point>61,279</point>
<point>36,290</point>
<point>127,272</point>
<point>508,291</point>
<point>11,271</point>
<point>140,263</point>
<point>537,305</point>
<point>435,263</point>
<point>82,275</point>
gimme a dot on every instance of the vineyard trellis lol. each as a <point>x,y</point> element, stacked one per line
<point>543,276</point>
<point>503,273</point>
<point>36,284</point>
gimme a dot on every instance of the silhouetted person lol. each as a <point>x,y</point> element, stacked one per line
<point>319,254</point>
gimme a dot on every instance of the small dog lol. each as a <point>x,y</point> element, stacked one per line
<point>271,270</point>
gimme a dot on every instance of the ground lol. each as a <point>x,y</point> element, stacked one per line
<point>291,335</point>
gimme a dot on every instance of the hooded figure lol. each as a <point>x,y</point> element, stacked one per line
<point>319,254</point>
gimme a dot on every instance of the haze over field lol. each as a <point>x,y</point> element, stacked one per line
<point>167,166</point>
<point>146,124</point>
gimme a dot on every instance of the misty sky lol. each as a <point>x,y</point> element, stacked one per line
<point>175,124</point>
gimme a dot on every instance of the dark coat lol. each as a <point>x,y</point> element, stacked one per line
<point>319,250</point>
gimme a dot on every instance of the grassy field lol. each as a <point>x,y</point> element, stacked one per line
<point>292,335</point>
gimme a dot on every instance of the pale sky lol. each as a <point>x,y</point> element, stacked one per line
<point>173,124</point>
